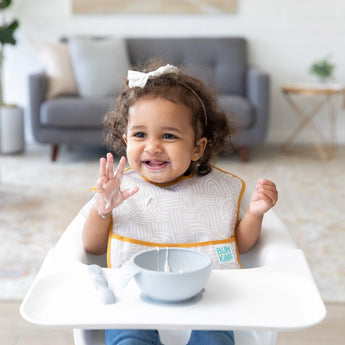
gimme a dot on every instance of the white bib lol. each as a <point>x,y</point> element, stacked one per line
<point>198,212</point>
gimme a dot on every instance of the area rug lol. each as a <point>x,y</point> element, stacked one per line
<point>39,198</point>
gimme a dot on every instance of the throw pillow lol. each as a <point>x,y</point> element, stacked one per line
<point>99,65</point>
<point>56,59</point>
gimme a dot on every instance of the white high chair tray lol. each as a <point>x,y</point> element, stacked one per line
<point>257,299</point>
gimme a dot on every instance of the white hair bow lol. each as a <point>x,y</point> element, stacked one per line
<point>140,79</point>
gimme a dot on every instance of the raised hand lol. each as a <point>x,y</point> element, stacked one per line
<point>108,186</point>
<point>264,197</point>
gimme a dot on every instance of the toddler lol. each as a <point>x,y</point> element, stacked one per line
<point>170,128</point>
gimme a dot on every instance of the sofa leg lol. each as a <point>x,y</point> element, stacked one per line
<point>54,152</point>
<point>243,152</point>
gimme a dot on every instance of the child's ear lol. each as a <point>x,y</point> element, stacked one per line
<point>199,148</point>
<point>124,137</point>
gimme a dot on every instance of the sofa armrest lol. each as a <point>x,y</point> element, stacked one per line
<point>257,92</point>
<point>38,84</point>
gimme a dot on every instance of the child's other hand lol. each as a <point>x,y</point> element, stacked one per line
<point>264,197</point>
<point>108,185</point>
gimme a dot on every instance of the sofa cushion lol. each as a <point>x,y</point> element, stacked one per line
<point>55,58</point>
<point>238,109</point>
<point>220,61</point>
<point>70,112</point>
<point>99,65</point>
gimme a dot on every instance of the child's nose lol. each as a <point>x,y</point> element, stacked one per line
<point>153,146</point>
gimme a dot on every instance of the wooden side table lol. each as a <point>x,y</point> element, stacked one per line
<point>328,95</point>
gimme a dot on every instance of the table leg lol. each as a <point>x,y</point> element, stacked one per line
<point>312,129</point>
<point>333,105</point>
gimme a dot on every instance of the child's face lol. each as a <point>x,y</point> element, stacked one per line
<point>160,139</point>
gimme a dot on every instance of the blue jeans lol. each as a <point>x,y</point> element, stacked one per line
<point>151,337</point>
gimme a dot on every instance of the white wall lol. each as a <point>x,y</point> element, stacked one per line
<point>285,37</point>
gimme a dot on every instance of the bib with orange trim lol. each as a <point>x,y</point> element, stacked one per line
<point>198,212</point>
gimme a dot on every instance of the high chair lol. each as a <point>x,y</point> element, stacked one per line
<point>273,292</point>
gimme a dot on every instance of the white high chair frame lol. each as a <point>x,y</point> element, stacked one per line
<point>274,292</point>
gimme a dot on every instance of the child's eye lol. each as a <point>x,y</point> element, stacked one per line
<point>139,135</point>
<point>169,136</point>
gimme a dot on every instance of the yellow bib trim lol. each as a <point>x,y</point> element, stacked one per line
<point>178,245</point>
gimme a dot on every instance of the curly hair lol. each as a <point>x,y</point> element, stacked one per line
<point>208,120</point>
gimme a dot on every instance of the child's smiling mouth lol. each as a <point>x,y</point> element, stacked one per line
<point>155,164</point>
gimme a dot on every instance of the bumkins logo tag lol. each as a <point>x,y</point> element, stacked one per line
<point>224,254</point>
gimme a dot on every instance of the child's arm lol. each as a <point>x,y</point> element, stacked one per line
<point>109,196</point>
<point>249,227</point>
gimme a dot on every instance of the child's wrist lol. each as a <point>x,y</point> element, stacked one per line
<point>254,214</point>
<point>97,211</point>
<point>104,215</point>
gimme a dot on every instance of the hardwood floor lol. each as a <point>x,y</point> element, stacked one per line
<point>16,331</point>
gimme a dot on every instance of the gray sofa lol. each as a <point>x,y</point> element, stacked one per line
<point>222,63</point>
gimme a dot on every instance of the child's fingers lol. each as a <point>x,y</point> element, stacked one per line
<point>100,185</point>
<point>269,202</point>
<point>109,183</point>
<point>120,168</point>
<point>267,190</point>
<point>269,195</point>
<point>267,186</point>
<point>110,166</point>
<point>129,192</point>
<point>102,167</point>
<point>266,183</point>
